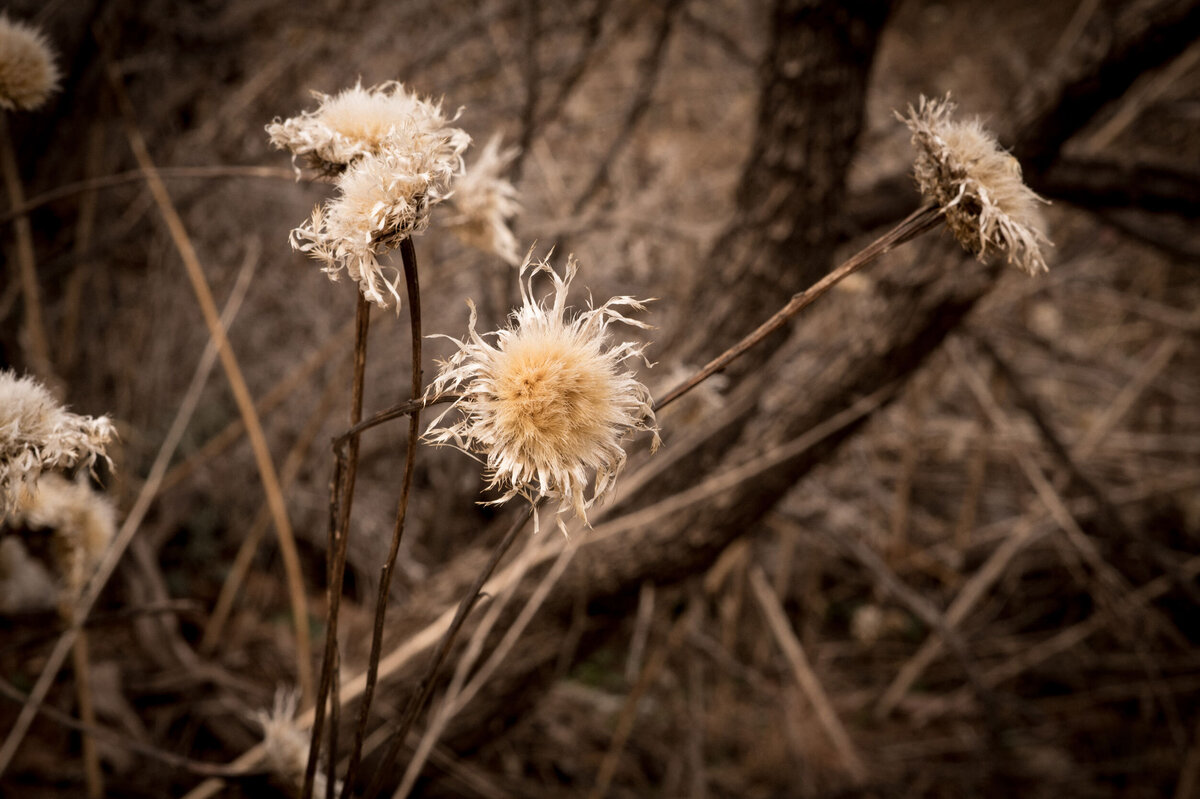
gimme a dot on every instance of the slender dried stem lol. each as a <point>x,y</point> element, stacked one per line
<point>87,714</point>
<point>916,223</point>
<point>341,502</point>
<point>35,328</point>
<point>409,255</point>
<point>425,687</point>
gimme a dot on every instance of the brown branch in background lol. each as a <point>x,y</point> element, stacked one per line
<point>345,475</point>
<point>424,688</point>
<point>87,714</point>
<point>409,255</point>
<point>35,328</point>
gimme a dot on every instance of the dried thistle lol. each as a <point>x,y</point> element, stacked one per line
<point>484,200</point>
<point>358,122</point>
<point>285,744</point>
<point>28,74</point>
<point>961,167</point>
<point>549,402</point>
<point>84,523</point>
<point>38,435</point>
<point>392,156</point>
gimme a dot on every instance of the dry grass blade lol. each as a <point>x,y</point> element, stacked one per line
<point>768,602</point>
<point>237,383</point>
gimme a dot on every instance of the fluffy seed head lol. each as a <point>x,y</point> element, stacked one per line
<point>37,435</point>
<point>83,520</point>
<point>359,122</point>
<point>28,75</point>
<point>961,167</point>
<point>483,201</point>
<point>549,401</point>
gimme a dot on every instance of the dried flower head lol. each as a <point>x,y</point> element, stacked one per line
<point>961,167</point>
<point>285,744</point>
<point>83,520</point>
<point>549,401</point>
<point>28,75</point>
<point>359,122</point>
<point>38,435</point>
<point>483,201</point>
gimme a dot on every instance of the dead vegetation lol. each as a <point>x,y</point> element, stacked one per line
<point>940,539</point>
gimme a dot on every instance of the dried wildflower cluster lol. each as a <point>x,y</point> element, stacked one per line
<point>484,200</point>
<point>392,156</point>
<point>37,435</point>
<point>978,185</point>
<point>28,75</point>
<point>84,523</point>
<point>548,402</point>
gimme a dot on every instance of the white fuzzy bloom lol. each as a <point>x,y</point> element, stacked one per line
<point>28,74</point>
<point>358,122</point>
<point>484,200</point>
<point>549,402</point>
<point>961,167</point>
<point>38,435</point>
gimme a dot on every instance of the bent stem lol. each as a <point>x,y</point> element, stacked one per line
<point>345,472</point>
<point>409,255</point>
<point>916,223</point>
<point>425,687</point>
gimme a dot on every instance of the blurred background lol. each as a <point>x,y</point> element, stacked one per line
<point>940,539</point>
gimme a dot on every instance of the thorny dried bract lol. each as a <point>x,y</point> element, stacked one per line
<point>28,74</point>
<point>549,401</point>
<point>38,435</point>
<point>961,167</point>
<point>392,157</point>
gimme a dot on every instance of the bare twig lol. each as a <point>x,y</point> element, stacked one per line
<point>918,222</point>
<point>340,505</point>
<point>409,255</point>
<point>425,687</point>
<point>35,327</point>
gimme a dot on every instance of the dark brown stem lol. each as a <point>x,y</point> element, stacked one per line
<point>341,500</point>
<point>409,255</point>
<point>916,223</point>
<point>394,412</point>
<point>425,687</point>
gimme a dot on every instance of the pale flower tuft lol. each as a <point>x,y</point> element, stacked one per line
<point>961,167</point>
<point>358,122</point>
<point>28,74</point>
<point>84,523</point>
<point>484,200</point>
<point>38,435</point>
<point>549,402</point>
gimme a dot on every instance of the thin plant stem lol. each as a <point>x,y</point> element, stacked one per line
<point>35,327</point>
<point>341,501</point>
<point>408,254</point>
<point>87,714</point>
<point>916,223</point>
<point>394,412</point>
<point>425,687</point>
